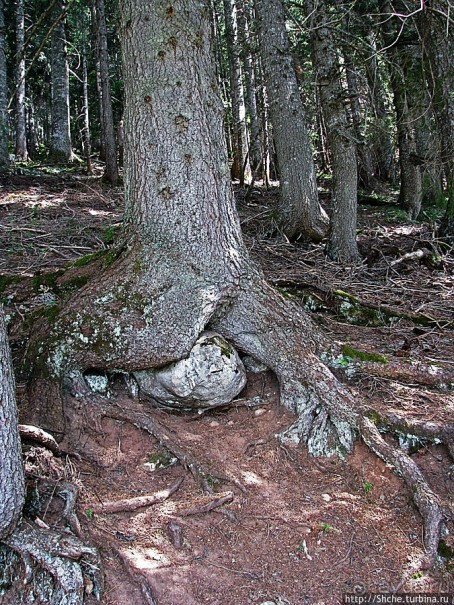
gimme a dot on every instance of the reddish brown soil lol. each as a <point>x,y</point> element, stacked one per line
<point>304,531</point>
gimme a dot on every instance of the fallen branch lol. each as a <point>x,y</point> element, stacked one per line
<point>207,506</point>
<point>130,504</point>
<point>416,255</point>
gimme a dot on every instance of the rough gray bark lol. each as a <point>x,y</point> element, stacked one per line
<point>60,149</point>
<point>341,244</point>
<point>241,168</point>
<point>107,121</point>
<point>21,135</point>
<point>4,155</point>
<point>299,209</point>
<point>12,488</point>
<point>86,132</point>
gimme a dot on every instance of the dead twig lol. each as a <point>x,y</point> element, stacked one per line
<point>130,504</point>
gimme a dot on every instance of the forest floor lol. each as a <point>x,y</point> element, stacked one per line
<point>304,530</point>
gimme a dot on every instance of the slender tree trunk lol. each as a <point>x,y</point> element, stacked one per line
<point>21,135</point>
<point>4,155</point>
<point>341,244</point>
<point>403,65</point>
<point>366,171</point>
<point>12,488</point>
<point>299,208</point>
<point>241,166</point>
<point>111,171</point>
<point>245,39</point>
<point>60,138</point>
<point>439,48</point>
<point>86,137</point>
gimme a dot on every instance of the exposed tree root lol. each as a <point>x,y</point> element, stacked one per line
<point>207,506</point>
<point>427,502</point>
<point>425,430</point>
<point>38,435</point>
<point>136,576</point>
<point>141,417</point>
<point>63,556</point>
<point>416,372</point>
<point>130,504</point>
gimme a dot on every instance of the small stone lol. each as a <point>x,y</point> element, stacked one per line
<point>326,497</point>
<point>214,423</point>
<point>259,412</point>
<point>268,603</point>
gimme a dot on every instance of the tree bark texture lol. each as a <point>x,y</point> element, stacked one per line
<point>12,488</point>
<point>299,209</point>
<point>241,168</point>
<point>183,267</point>
<point>4,155</point>
<point>107,120</point>
<point>341,244</point>
<point>60,138</point>
<point>21,135</point>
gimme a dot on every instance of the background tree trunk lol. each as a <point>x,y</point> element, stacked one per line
<point>241,168</point>
<point>4,131</point>
<point>341,244</point>
<point>12,487</point>
<point>21,135</point>
<point>299,209</point>
<point>439,49</point>
<point>60,149</point>
<point>107,121</point>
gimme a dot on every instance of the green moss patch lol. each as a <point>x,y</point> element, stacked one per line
<point>349,351</point>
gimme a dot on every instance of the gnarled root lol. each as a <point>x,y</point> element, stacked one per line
<point>427,502</point>
<point>74,566</point>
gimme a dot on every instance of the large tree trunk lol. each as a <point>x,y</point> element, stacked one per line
<point>299,209</point>
<point>4,155</point>
<point>12,489</point>
<point>107,121</point>
<point>341,244</point>
<point>183,266</point>
<point>60,142</point>
<point>21,135</point>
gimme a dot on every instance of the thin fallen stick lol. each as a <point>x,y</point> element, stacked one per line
<point>130,504</point>
<point>207,507</point>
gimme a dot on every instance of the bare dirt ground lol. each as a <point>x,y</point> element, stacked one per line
<point>295,530</point>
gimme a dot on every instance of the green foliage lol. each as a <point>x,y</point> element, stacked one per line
<point>367,487</point>
<point>89,513</point>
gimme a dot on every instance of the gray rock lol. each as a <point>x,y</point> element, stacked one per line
<point>211,375</point>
